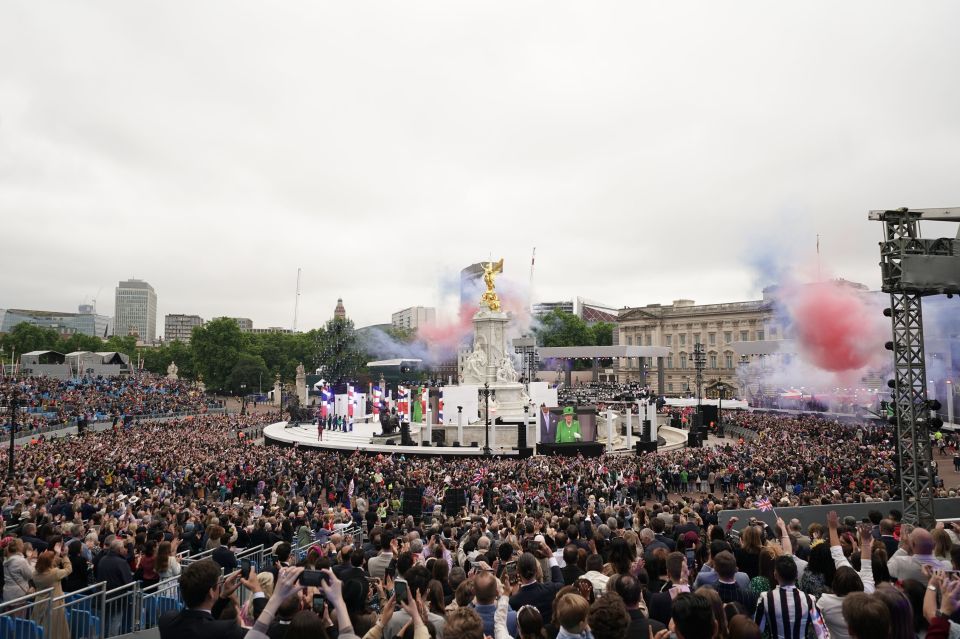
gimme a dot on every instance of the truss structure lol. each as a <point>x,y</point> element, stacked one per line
<point>905,278</point>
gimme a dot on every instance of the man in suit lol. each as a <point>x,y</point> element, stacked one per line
<point>532,592</point>
<point>205,600</point>
<point>571,571</point>
<point>630,590</point>
<point>548,425</point>
<point>886,536</point>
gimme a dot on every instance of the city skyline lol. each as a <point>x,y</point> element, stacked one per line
<point>649,153</point>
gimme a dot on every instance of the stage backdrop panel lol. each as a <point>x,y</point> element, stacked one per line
<point>541,394</point>
<point>464,395</point>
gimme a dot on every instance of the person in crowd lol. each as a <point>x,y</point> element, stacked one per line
<point>727,585</point>
<point>79,576</point>
<point>608,617</point>
<point>780,610</point>
<point>17,571</point>
<point>51,569</point>
<point>531,591</point>
<point>205,599</point>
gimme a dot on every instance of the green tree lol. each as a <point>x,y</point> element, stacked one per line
<point>246,374</point>
<point>126,344</point>
<point>81,342</point>
<point>338,351</point>
<point>560,328</point>
<point>602,334</point>
<point>25,337</point>
<point>216,348</point>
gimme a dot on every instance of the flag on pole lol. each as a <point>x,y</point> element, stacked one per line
<point>764,505</point>
<point>424,400</point>
<point>349,401</point>
<point>326,397</point>
<point>376,395</point>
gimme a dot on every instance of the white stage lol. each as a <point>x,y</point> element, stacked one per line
<point>361,438</point>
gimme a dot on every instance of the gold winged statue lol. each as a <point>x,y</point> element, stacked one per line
<point>490,295</point>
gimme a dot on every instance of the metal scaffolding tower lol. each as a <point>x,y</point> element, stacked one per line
<point>911,268</point>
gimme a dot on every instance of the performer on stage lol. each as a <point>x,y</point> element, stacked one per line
<point>568,430</point>
<point>320,430</point>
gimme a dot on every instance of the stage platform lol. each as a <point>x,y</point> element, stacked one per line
<point>362,439</point>
<point>305,435</point>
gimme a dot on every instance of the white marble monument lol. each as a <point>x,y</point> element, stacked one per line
<point>490,361</point>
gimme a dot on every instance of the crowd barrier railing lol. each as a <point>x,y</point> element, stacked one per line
<point>28,616</point>
<point>72,422</point>
<point>158,599</point>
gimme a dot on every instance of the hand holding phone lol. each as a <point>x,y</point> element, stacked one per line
<point>313,578</point>
<point>319,603</point>
<point>401,590</point>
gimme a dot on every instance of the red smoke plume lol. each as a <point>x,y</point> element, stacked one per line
<point>835,327</point>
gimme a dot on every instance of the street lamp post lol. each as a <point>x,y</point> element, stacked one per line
<point>243,399</point>
<point>487,393</point>
<point>13,405</point>
<point>699,359</point>
<point>721,388</point>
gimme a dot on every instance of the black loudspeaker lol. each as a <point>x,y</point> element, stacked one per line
<point>709,414</point>
<point>521,436</point>
<point>645,431</point>
<point>439,438</point>
<point>675,421</point>
<point>696,422</point>
<point>646,447</point>
<point>526,452</point>
<point>693,440</point>
<point>412,501</point>
<point>454,501</point>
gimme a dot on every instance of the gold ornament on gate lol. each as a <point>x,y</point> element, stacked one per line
<point>490,295</point>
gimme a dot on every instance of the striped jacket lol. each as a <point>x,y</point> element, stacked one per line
<point>789,613</point>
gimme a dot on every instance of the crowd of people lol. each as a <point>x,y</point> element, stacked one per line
<point>46,401</point>
<point>544,547</point>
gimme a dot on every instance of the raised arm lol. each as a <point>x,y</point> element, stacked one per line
<point>784,537</point>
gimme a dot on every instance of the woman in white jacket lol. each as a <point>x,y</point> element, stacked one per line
<point>846,579</point>
<point>17,572</point>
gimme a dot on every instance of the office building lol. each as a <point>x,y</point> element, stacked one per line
<point>414,317</point>
<point>84,322</point>
<point>136,310</point>
<point>179,328</point>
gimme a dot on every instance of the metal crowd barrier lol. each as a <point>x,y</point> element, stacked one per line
<point>159,599</point>
<point>72,422</point>
<point>206,554</point>
<point>27,617</point>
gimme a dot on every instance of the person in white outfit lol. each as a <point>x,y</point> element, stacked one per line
<point>846,579</point>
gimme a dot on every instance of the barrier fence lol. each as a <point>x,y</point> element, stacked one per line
<point>72,422</point>
<point>97,613</point>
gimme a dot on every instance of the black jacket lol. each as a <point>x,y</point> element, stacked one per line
<point>197,624</point>
<point>571,572</point>
<point>540,595</point>
<point>640,626</point>
<point>115,570</point>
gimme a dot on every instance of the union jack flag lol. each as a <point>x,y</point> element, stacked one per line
<point>480,475</point>
<point>764,505</point>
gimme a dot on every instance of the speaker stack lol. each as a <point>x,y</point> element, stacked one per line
<point>693,439</point>
<point>413,501</point>
<point>454,501</point>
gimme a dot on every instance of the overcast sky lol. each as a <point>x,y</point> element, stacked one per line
<point>649,151</point>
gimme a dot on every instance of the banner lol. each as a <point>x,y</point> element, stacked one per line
<point>349,401</point>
